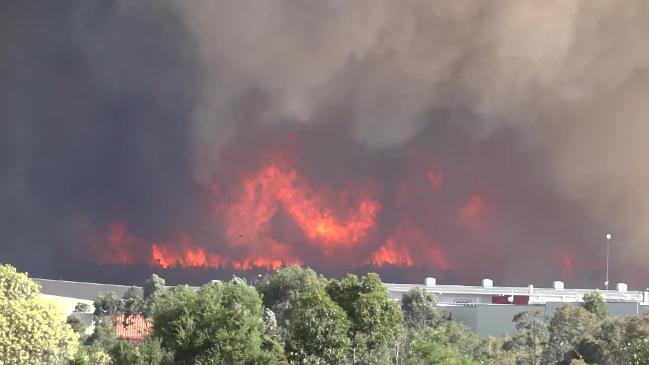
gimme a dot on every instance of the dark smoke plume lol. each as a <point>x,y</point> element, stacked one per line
<point>531,114</point>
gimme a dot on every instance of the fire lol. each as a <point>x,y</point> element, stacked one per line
<point>116,246</point>
<point>396,250</point>
<point>187,254</point>
<point>474,212</point>
<point>562,259</point>
<point>392,253</point>
<point>272,216</point>
<point>435,177</point>
<point>276,187</point>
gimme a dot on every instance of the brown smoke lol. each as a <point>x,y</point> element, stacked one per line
<point>569,76</point>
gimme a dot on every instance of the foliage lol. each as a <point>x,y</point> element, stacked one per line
<point>98,356</point>
<point>595,304</point>
<point>133,303</point>
<point>124,353</point>
<point>107,304</point>
<point>273,352</point>
<point>611,344</point>
<point>82,307</point>
<point>318,330</point>
<point>76,324</point>
<point>152,287</point>
<point>151,353</point>
<point>103,336</point>
<point>639,351</point>
<point>32,330</point>
<point>569,327</point>
<point>281,289</point>
<point>420,309</point>
<point>270,324</point>
<point>430,347</point>
<point>375,319</point>
<point>221,323</point>
<point>531,338</point>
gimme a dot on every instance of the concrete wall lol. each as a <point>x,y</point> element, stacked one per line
<point>496,319</point>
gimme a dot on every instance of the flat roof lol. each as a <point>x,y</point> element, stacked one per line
<point>90,291</point>
<point>609,295</point>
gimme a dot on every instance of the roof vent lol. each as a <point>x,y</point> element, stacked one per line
<point>487,283</point>
<point>558,285</point>
<point>621,287</point>
<point>431,281</point>
<point>530,288</point>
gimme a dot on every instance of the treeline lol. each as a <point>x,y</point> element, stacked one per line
<point>294,316</point>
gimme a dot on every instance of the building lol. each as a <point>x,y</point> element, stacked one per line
<point>489,309</point>
<point>486,309</point>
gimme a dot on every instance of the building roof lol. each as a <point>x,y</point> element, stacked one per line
<point>90,291</point>
<point>136,327</point>
<point>537,295</point>
<point>79,290</point>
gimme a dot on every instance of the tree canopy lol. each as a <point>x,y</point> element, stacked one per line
<point>32,330</point>
<point>220,321</point>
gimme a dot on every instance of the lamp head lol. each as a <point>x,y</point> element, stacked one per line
<point>608,236</point>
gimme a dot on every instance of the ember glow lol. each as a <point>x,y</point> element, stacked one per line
<point>326,221</point>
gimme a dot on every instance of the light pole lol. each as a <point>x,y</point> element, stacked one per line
<point>608,242</point>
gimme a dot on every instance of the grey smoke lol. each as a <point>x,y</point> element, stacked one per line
<point>120,110</point>
<point>569,75</point>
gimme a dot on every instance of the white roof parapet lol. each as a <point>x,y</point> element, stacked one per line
<point>487,283</point>
<point>539,295</point>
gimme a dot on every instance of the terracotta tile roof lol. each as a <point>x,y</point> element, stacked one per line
<point>136,327</point>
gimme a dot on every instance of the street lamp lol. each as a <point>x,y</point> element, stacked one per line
<point>608,241</point>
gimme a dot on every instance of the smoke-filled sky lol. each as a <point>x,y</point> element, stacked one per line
<point>457,139</point>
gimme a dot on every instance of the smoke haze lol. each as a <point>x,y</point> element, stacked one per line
<point>462,139</point>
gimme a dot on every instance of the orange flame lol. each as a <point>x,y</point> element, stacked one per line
<point>276,186</point>
<point>391,253</point>
<point>167,256</point>
<point>116,246</point>
<point>396,250</point>
<point>563,259</point>
<point>474,212</point>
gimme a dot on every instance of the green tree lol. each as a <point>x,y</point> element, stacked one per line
<point>531,337</point>
<point>611,344</point>
<point>98,356</point>
<point>280,290</point>
<point>82,307</point>
<point>76,324</point>
<point>151,353</point>
<point>221,323</point>
<point>32,330</point>
<point>638,351</point>
<point>430,348</point>
<point>152,287</point>
<point>270,324</point>
<point>569,328</point>
<point>595,304</point>
<point>133,303</point>
<point>318,330</point>
<point>420,309</point>
<point>107,304</point>
<point>375,319</point>
<point>124,353</point>
<point>103,336</point>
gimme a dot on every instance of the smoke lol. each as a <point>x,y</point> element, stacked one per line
<point>499,138</point>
